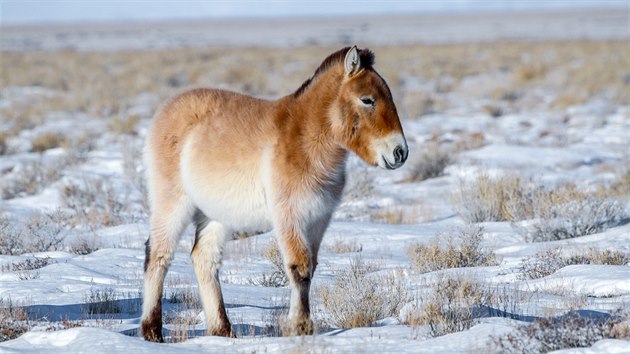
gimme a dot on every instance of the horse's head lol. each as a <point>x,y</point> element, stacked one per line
<point>364,115</point>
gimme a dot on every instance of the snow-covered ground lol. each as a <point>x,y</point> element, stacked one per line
<point>87,299</point>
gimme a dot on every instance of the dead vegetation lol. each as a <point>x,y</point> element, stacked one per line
<point>358,298</point>
<point>13,320</point>
<point>107,84</point>
<point>560,212</point>
<point>451,306</point>
<point>431,163</point>
<point>569,331</point>
<point>278,277</point>
<point>549,261</point>
<point>47,141</point>
<point>453,250</point>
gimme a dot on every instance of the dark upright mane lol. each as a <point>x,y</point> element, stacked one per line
<point>366,56</point>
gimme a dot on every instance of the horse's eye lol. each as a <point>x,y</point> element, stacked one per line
<point>367,101</point>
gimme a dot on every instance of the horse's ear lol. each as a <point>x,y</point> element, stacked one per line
<point>352,61</point>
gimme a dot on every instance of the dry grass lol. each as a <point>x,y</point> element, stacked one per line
<point>569,331</point>
<point>47,141</point>
<point>277,278</point>
<point>466,252</point>
<point>430,163</point>
<point>403,214</point>
<point>358,298</point>
<point>30,178</point>
<point>27,269</point>
<point>105,84</point>
<point>125,125</point>
<point>549,261</point>
<point>99,301</point>
<point>341,246</point>
<point>502,198</point>
<point>181,325</point>
<point>95,202</point>
<point>13,320</point>
<point>564,211</point>
<point>40,232</point>
<point>567,212</point>
<point>3,142</point>
<point>181,291</point>
<point>451,306</point>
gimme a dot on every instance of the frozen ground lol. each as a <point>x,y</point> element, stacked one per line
<point>84,300</point>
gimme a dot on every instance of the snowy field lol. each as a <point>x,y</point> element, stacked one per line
<point>506,231</point>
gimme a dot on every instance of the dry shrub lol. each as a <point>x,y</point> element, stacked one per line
<point>101,301</point>
<point>85,244</point>
<point>568,331</point>
<point>417,104</point>
<point>181,292</point>
<point>567,212</point>
<point>530,72</point>
<point>126,125</point>
<point>562,212</point>
<point>26,269</point>
<point>3,143</point>
<point>359,299</point>
<point>341,246</point>
<point>542,264</point>
<point>277,278</point>
<point>596,256</point>
<point>134,171</point>
<point>407,214</point>
<point>29,178</point>
<point>549,261</point>
<point>10,242</point>
<point>502,198</point>
<point>47,141</point>
<point>620,187</point>
<point>95,202</point>
<point>431,163</point>
<point>181,325</point>
<point>467,253</point>
<point>40,233</point>
<point>389,215</point>
<point>13,320</point>
<point>470,141</point>
<point>453,305</point>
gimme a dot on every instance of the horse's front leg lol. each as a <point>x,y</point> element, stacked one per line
<point>299,267</point>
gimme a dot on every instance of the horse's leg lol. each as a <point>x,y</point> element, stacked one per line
<point>168,220</point>
<point>298,265</point>
<point>206,257</point>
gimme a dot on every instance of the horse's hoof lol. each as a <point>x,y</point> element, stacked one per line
<point>303,327</point>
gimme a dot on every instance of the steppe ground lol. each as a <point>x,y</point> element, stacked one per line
<point>507,229</point>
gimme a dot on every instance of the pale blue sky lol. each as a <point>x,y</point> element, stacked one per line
<point>41,11</point>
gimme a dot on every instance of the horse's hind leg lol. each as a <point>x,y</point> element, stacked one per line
<point>206,257</point>
<point>168,220</point>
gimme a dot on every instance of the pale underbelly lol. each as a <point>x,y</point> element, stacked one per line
<point>238,208</point>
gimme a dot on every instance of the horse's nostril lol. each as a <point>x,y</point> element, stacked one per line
<point>399,154</point>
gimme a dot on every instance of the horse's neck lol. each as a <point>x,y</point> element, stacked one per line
<point>309,115</point>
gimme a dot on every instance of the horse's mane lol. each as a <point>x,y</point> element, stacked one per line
<point>366,56</point>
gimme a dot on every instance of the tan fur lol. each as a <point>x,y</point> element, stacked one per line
<point>247,163</point>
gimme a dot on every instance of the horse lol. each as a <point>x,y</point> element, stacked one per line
<point>226,162</point>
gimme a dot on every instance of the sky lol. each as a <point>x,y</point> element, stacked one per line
<point>60,11</point>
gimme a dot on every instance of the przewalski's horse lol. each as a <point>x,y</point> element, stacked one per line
<point>226,162</point>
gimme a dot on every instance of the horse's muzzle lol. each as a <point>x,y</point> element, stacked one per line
<point>400,155</point>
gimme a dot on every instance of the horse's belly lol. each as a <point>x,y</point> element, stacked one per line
<point>229,193</point>
<point>235,202</point>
